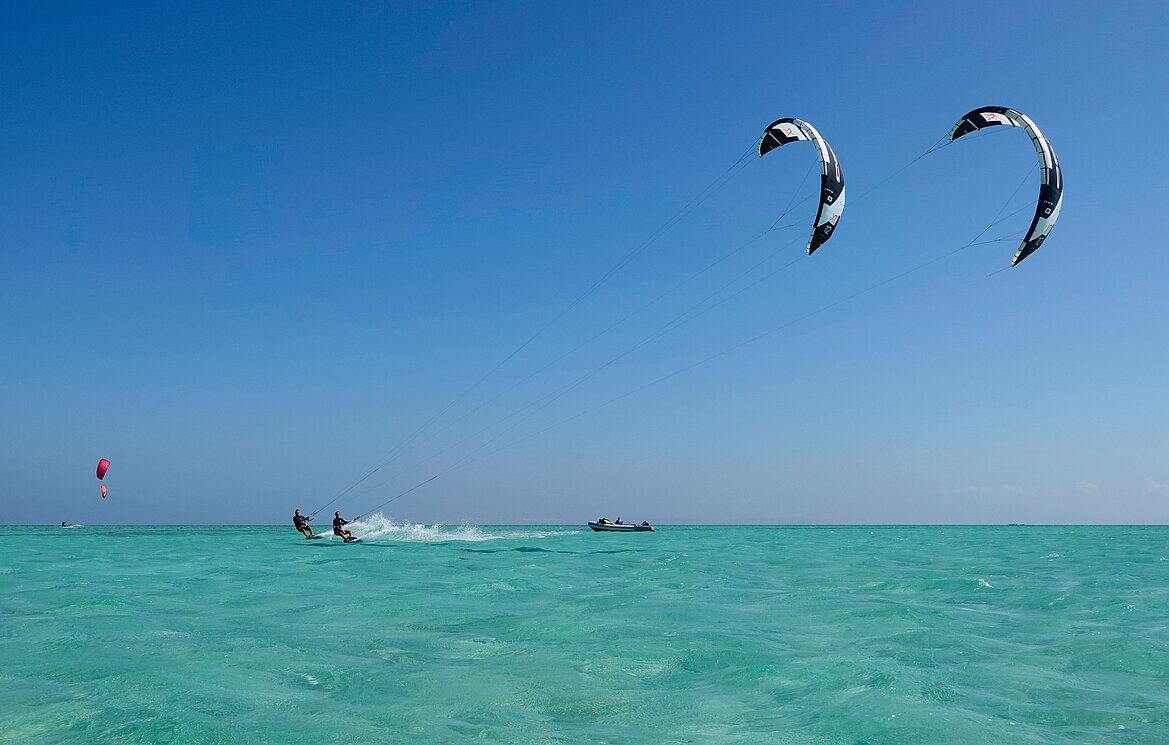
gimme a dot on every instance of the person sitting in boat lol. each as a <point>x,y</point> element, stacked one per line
<point>618,520</point>
<point>301,523</point>
<point>645,523</point>
<point>339,524</point>
<point>604,521</point>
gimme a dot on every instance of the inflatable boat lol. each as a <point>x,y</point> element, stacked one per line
<point>606,526</point>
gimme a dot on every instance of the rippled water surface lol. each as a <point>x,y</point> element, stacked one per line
<point>557,635</point>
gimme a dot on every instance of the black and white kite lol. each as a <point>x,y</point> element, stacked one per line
<point>1051,181</point>
<point>783,131</point>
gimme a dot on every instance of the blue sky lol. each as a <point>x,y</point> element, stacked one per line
<point>251,249</point>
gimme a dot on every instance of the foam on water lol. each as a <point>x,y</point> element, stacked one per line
<point>377,526</point>
<point>536,533</point>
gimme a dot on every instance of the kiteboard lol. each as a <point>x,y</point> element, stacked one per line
<point>312,537</point>
<point>354,540</point>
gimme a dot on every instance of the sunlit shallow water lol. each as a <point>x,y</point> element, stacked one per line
<point>558,635</point>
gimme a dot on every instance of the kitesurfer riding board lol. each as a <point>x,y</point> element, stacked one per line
<point>339,524</point>
<point>301,523</point>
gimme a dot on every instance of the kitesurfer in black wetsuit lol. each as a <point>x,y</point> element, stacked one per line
<point>339,524</point>
<point>301,523</point>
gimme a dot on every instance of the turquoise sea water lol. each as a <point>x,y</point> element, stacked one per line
<point>850,635</point>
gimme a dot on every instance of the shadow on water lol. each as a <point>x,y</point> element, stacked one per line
<point>347,545</point>
<point>521,549</point>
<point>538,550</point>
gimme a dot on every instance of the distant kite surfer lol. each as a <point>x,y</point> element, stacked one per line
<point>301,523</point>
<point>339,524</point>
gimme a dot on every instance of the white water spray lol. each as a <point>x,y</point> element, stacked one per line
<point>378,525</point>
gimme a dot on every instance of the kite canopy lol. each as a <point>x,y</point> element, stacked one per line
<point>781,132</point>
<point>103,492</point>
<point>102,465</point>
<point>1051,178</point>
